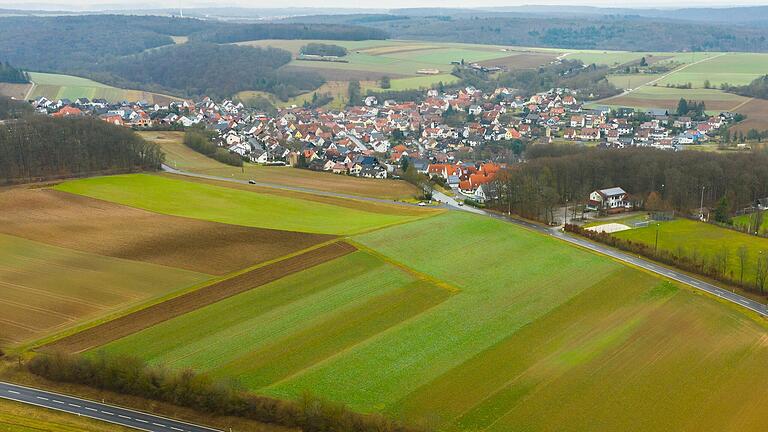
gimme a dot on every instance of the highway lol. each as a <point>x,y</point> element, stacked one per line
<point>99,411</point>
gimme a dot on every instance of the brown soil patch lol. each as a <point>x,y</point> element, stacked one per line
<point>177,306</point>
<point>520,61</point>
<point>756,111</point>
<point>18,91</point>
<point>95,226</point>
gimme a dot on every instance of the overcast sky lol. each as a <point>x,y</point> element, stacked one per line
<point>95,4</point>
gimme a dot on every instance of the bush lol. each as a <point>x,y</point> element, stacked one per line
<point>201,144</point>
<point>128,375</point>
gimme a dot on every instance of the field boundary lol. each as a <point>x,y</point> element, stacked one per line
<point>88,336</point>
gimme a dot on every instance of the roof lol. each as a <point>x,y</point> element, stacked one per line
<point>612,191</point>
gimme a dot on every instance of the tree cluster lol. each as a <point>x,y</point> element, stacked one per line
<point>321,49</point>
<point>552,176</point>
<point>13,109</point>
<point>247,32</point>
<point>128,375</point>
<point>10,74</point>
<point>758,88</point>
<point>201,143</point>
<point>38,148</point>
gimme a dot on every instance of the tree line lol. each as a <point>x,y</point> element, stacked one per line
<point>13,109</point>
<point>201,143</point>
<point>38,148</point>
<point>246,32</point>
<point>10,74</point>
<point>321,49</point>
<point>758,88</point>
<point>553,175</point>
<point>129,375</point>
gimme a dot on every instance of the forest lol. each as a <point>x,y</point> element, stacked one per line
<point>38,148</point>
<point>321,49</point>
<point>10,74</point>
<point>219,71</point>
<point>551,176</point>
<point>758,88</point>
<point>562,30</point>
<point>13,109</point>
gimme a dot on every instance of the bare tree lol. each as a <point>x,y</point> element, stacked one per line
<point>743,254</point>
<point>761,272</point>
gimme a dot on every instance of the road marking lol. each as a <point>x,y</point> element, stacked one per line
<point>91,409</point>
<point>159,424</point>
<point>122,416</point>
<point>43,398</point>
<point>58,402</point>
<point>140,420</point>
<point>107,413</point>
<point>75,405</point>
<point>177,429</point>
<point>14,392</point>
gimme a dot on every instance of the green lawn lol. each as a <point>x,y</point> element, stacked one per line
<point>690,238</point>
<point>226,205</point>
<point>57,86</point>
<point>748,221</point>
<point>536,335</point>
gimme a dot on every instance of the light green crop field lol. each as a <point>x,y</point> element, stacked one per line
<point>227,205</point>
<point>45,289</point>
<point>748,222</point>
<point>731,68</point>
<point>56,86</point>
<point>536,335</point>
<point>690,238</point>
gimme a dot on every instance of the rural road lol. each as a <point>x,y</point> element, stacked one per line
<point>452,204</point>
<point>108,413</point>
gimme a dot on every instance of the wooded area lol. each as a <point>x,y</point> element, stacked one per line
<point>322,49</point>
<point>38,148</point>
<point>547,180</point>
<point>10,74</point>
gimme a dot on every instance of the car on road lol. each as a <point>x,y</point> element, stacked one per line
<point>251,181</point>
<point>422,204</point>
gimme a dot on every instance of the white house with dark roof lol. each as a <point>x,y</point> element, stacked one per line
<point>608,199</point>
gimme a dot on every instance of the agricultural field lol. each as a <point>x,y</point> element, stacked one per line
<point>56,86</point>
<point>17,417</point>
<point>183,158</point>
<point>690,238</point>
<point>205,201</point>
<point>748,221</point>
<point>46,289</point>
<point>504,332</point>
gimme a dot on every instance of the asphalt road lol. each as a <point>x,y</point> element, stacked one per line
<point>108,413</point>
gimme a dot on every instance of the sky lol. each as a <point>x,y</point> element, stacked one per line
<point>96,4</point>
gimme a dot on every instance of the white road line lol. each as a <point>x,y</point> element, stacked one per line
<point>58,401</point>
<point>159,424</point>
<point>43,398</point>
<point>91,409</point>
<point>75,405</point>
<point>140,420</point>
<point>106,412</point>
<point>122,416</point>
<point>177,429</point>
<point>14,392</point>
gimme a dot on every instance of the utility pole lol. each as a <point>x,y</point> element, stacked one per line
<point>701,205</point>
<point>656,245</point>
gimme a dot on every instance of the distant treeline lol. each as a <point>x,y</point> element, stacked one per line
<point>322,49</point>
<point>246,32</point>
<point>128,375</point>
<point>38,148</point>
<point>200,143</point>
<point>758,88</point>
<point>10,74</point>
<point>551,177</point>
<point>609,32</point>
<point>13,109</point>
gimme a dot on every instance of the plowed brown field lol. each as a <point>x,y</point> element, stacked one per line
<point>89,225</point>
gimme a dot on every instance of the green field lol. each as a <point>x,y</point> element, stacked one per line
<point>44,289</point>
<point>747,221</point>
<point>524,337</point>
<point>56,86</point>
<point>233,206</point>
<point>731,68</point>
<point>685,237</point>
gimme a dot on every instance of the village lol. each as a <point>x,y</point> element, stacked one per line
<point>439,136</point>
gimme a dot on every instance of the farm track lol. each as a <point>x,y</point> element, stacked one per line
<point>177,306</point>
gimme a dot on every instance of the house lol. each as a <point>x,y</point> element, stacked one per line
<point>610,199</point>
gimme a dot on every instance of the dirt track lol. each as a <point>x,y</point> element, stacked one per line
<point>177,306</point>
<point>103,228</point>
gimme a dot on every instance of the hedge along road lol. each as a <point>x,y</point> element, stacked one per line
<point>85,408</point>
<point>452,204</point>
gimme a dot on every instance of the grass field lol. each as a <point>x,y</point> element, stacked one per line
<point>182,157</point>
<point>232,206</point>
<point>690,238</point>
<point>468,323</point>
<point>17,417</point>
<point>748,221</point>
<point>46,289</point>
<point>56,86</point>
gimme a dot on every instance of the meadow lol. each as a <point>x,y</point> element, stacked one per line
<point>468,323</point>
<point>198,200</point>
<point>57,86</point>
<point>689,238</point>
<point>183,158</point>
<point>748,222</point>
